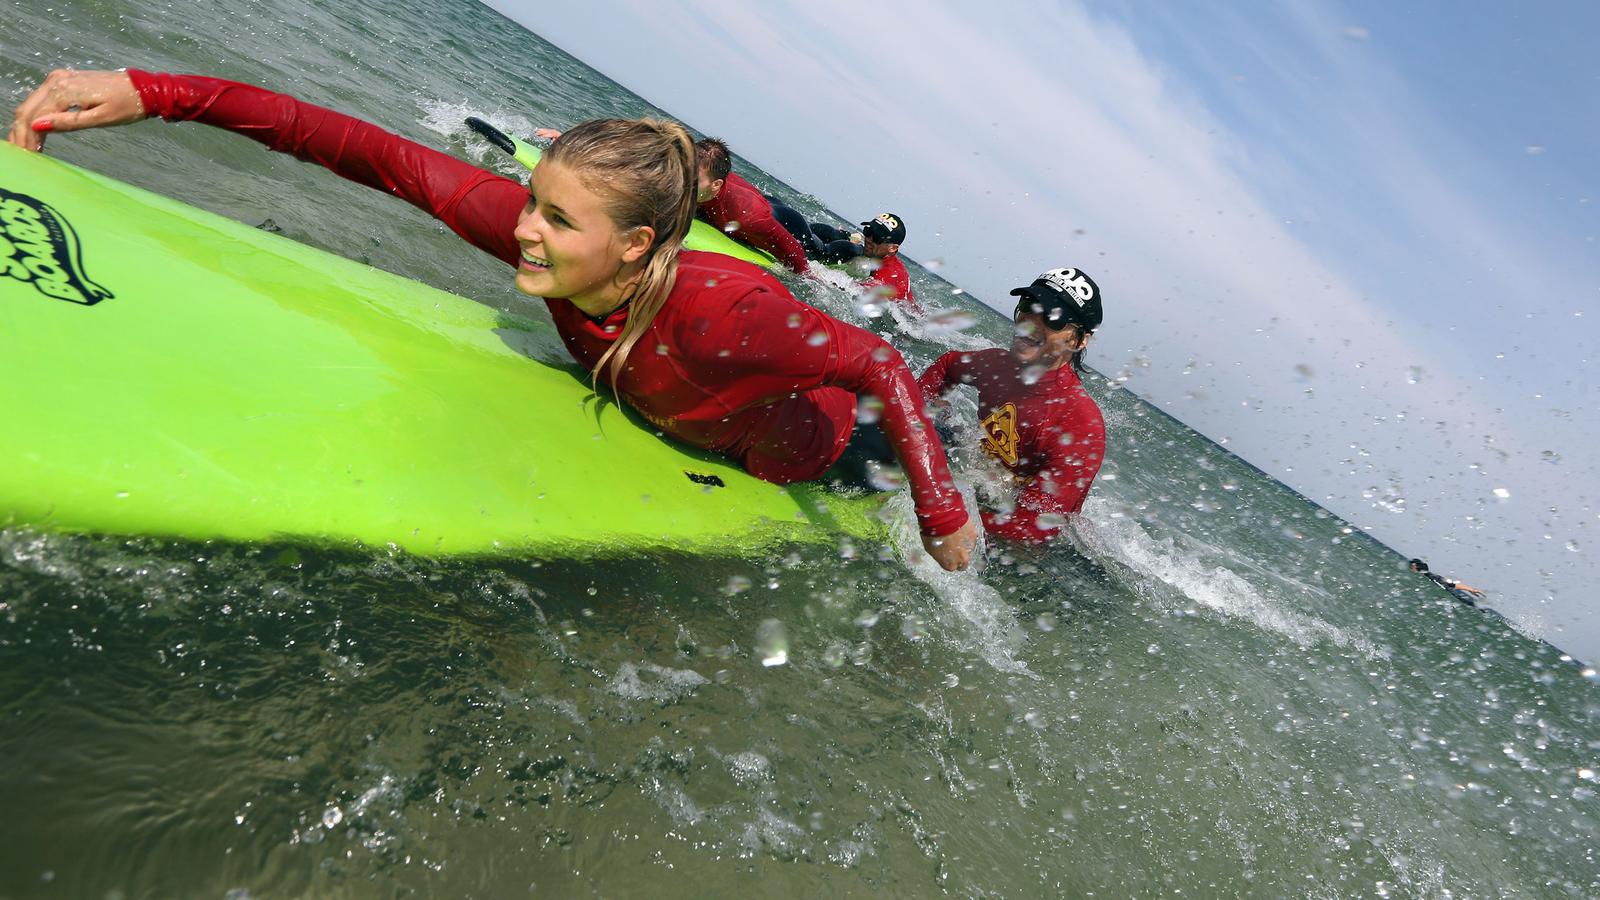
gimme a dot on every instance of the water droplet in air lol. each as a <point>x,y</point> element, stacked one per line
<point>883,354</point>
<point>1051,521</point>
<point>1032,374</point>
<point>835,654</point>
<point>884,477</point>
<point>871,306</point>
<point>869,409</point>
<point>1572,546</point>
<point>772,643</point>
<point>333,816</point>
<point>950,320</point>
<point>737,584</point>
<point>817,338</point>
<point>731,227</point>
<point>1533,149</point>
<point>1413,374</point>
<point>1357,33</point>
<point>914,628</point>
<point>933,265</point>
<point>1502,493</point>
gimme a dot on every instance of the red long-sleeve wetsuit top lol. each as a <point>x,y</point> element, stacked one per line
<point>747,370</point>
<point>743,211</point>
<point>1049,433</point>
<point>892,274</point>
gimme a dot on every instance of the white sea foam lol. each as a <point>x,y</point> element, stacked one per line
<point>647,681</point>
<point>1182,568</point>
<point>973,615</point>
<point>450,120</point>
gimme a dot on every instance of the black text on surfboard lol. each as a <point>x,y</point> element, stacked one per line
<point>39,247</point>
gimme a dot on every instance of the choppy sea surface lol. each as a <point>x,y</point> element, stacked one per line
<point>1213,688</point>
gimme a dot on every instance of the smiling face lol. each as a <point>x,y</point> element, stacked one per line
<point>571,247</point>
<point>1034,344</point>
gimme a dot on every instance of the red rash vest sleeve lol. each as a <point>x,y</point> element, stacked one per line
<point>821,350</point>
<point>480,206</point>
<point>937,380</point>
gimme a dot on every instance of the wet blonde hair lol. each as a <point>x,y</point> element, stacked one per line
<point>644,172</point>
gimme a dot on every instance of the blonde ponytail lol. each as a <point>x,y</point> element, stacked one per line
<point>645,171</point>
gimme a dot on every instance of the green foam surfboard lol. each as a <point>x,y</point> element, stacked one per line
<point>171,372</point>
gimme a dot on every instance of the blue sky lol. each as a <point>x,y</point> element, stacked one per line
<point>1356,242</point>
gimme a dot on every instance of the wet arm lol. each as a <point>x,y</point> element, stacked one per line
<point>941,376</point>
<point>479,206</point>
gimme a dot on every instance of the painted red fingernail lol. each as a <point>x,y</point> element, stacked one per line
<point>43,125</point>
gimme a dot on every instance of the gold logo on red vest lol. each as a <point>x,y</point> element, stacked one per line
<point>1000,434</point>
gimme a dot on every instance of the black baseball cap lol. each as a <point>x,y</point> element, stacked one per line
<point>885,229</point>
<point>1064,297</point>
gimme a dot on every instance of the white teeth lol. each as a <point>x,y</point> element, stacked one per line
<point>535,260</point>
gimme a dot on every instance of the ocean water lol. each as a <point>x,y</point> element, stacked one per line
<point>1216,688</point>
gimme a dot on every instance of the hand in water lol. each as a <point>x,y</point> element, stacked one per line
<point>72,101</point>
<point>546,134</point>
<point>954,550</point>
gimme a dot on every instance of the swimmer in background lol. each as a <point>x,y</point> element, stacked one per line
<point>1466,593</point>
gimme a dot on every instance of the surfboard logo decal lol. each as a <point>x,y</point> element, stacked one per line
<point>706,478</point>
<point>38,246</point>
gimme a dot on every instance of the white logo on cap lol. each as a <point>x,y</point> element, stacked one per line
<point>888,221</point>
<point>1069,282</point>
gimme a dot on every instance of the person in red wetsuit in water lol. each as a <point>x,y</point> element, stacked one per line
<point>739,208</point>
<point>1038,421</point>
<point>713,351</point>
<point>878,241</point>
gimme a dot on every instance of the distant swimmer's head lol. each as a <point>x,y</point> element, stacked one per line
<point>883,235</point>
<point>608,209</point>
<point>1055,316</point>
<point>713,163</point>
<point>1418,565</point>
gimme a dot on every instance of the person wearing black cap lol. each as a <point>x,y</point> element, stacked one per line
<point>881,239</point>
<point>1038,420</point>
<point>878,242</point>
